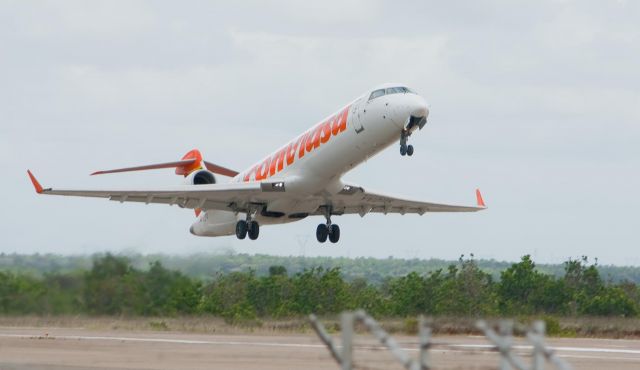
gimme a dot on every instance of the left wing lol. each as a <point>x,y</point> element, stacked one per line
<point>356,200</point>
<point>235,197</point>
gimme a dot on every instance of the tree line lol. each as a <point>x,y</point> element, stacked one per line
<point>113,286</point>
<point>206,266</point>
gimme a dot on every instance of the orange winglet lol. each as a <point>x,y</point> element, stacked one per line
<point>479,199</point>
<point>35,182</point>
<point>198,211</point>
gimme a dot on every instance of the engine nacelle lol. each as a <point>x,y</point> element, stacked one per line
<point>200,177</point>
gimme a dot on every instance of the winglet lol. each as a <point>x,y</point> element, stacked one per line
<point>479,199</point>
<point>35,182</point>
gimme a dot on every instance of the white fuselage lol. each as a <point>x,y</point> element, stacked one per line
<point>312,164</point>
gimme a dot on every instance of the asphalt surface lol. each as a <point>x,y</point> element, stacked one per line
<point>63,348</point>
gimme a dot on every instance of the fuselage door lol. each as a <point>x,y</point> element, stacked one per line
<point>357,116</point>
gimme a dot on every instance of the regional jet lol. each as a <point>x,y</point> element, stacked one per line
<point>302,178</point>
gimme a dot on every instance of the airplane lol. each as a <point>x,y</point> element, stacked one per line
<point>302,178</point>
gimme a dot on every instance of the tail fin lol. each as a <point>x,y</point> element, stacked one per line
<point>195,157</point>
<point>190,162</point>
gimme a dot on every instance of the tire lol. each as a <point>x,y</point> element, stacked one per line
<point>241,229</point>
<point>334,233</point>
<point>403,150</point>
<point>254,230</point>
<point>322,232</point>
<point>410,150</point>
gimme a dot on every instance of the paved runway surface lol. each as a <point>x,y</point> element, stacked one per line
<point>58,348</point>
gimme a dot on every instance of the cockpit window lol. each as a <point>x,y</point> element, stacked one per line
<point>376,94</point>
<point>397,90</point>
<point>394,90</point>
<point>389,91</point>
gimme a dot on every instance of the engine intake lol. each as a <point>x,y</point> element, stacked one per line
<point>202,177</point>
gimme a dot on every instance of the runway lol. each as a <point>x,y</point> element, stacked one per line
<point>62,348</point>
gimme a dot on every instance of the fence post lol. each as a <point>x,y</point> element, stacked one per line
<point>425,343</point>
<point>347,325</point>
<point>506,330</point>
<point>538,350</point>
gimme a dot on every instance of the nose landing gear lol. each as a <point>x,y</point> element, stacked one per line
<point>404,148</point>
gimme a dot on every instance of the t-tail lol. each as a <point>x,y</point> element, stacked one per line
<point>194,169</point>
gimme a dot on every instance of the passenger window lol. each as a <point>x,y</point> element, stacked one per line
<point>376,94</point>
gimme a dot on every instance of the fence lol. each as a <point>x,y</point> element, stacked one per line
<point>502,342</point>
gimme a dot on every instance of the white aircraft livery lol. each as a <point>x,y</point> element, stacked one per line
<point>302,178</point>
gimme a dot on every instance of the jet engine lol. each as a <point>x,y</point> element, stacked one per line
<point>200,177</point>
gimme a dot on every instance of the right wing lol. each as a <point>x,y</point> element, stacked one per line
<point>356,200</point>
<point>237,197</point>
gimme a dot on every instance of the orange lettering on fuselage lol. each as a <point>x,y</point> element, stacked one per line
<point>262,172</point>
<point>291,151</point>
<point>277,160</point>
<point>305,143</point>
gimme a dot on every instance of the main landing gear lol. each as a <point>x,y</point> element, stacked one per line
<point>331,231</point>
<point>404,148</point>
<point>248,227</point>
<point>328,230</point>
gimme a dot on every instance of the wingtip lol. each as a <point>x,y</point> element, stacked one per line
<point>479,199</point>
<point>35,182</point>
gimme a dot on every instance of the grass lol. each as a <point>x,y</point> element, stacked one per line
<point>582,327</point>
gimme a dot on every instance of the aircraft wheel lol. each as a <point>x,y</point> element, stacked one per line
<point>403,150</point>
<point>253,230</point>
<point>241,229</point>
<point>322,232</point>
<point>410,150</point>
<point>334,233</point>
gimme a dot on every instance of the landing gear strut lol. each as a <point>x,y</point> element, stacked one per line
<point>404,148</point>
<point>248,227</point>
<point>328,230</point>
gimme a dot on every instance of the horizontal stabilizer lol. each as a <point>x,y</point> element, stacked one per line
<point>190,162</point>
<point>176,164</point>
<point>219,169</point>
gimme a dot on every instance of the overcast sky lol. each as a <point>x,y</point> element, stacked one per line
<point>537,103</point>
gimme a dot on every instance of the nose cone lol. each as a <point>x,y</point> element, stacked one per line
<point>191,230</point>
<point>418,108</point>
<point>411,110</point>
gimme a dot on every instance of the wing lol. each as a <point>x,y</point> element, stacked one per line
<point>240,197</point>
<point>234,196</point>
<point>356,200</point>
